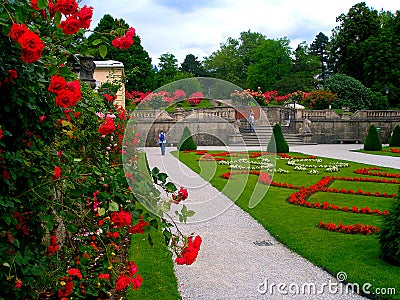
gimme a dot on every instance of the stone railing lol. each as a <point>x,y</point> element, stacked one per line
<point>319,114</point>
<point>376,114</point>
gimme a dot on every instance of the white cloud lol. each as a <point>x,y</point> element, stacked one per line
<point>197,27</point>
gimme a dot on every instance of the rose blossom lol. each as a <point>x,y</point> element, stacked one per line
<point>57,83</point>
<point>107,128</point>
<point>32,47</point>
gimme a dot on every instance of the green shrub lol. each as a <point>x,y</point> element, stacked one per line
<point>350,92</point>
<point>372,140</point>
<point>277,143</point>
<point>186,142</point>
<point>395,138</point>
<point>389,236</point>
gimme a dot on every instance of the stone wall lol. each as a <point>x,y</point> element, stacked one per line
<point>216,126</point>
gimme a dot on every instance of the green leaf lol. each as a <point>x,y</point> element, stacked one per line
<point>150,240</point>
<point>16,243</point>
<point>42,4</point>
<point>190,213</point>
<point>57,18</point>
<point>72,228</point>
<point>96,42</point>
<point>170,187</point>
<point>6,264</point>
<point>162,177</point>
<point>102,211</point>
<point>113,206</point>
<point>103,51</point>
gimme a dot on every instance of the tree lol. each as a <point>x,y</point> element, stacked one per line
<point>277,143</point>
<point>139,71</point>
<point>272,62</point>
<point>382,66</point>
<point>320,48</point>
<point>356,27</point>
<point>167,69</point>
<point>395,138</point>
<point>231,62</point>
<point>350,92</point>
<point>186,142</point>
<point>372,140</point>
<point>192,65</point>
<point>304,70</point>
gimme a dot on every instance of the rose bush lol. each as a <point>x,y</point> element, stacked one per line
<point>67,209</point>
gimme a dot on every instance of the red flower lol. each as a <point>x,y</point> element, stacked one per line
<point>66,7</point>
<point>57,172</point>
<point>122,218</point>
<point>75,272</point>
<point>104,276</point>
<point>52,249</point>
<point>32,47</point>
<point>17,30</point>
<point>136,282</point>
<point>57,83</point>
<point>67,289</point>
<point>1,134</point>
<point>18,284</point>
<point>190,252</point>
<point>85,15</point>
<point>65,98</point>
<point>7,174</point>
<point>139,227</point>
<point>42,119</point>
<point>122,282</point>
<point>132,268</point>
<point>71,25</point>
<point>122,42</point>
<point>108,127</point>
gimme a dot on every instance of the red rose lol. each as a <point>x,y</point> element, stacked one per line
<point>65,98</point>
<point>71,25</point>
<point>66,7</point>
<point>122,282</point>
<point>85,15</point>
<point>7,174</point>
<point>122,42</point>
<point>136,282</point>
<point>122,218</point>
<point>12,74</point>
<point>57,172</point>
<point>17,31</point>
<point>108,127</point>
<point>32,47</point>
<point>75,272</point>
<point>130,32</point>
<point>42,119</point>
<point>1,133</point>
<point>104,276</point>
<point>132,268</point>
<point>75,87</point>
<point>57,83</point>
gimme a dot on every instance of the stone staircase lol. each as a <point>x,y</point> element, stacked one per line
<point>262,136</point>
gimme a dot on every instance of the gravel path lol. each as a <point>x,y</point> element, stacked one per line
<point>230,265</point>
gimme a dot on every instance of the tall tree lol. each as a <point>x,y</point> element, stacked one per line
<point>320,48</point>
<point>234,57</point>
<point>167,69</point>
<point>382,65</point>
<point>192,65</point>
<point>356,27</point>
<point>272,62</point>
<point>138,68</point>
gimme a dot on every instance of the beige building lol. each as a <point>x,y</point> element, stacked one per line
<point>109,70</point>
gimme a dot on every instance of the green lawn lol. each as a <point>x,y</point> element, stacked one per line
<point>296,226</point>
<point>385,151</point>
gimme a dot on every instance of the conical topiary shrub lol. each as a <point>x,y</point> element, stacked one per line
<point>389,236</point>
<point>372,140</point>
<point>395,138</point>
<point>277,143</point>
<point>186,142</point>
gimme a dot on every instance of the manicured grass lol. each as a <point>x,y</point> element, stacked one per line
<point>296,226</point>
<point>186,106</point>
<point>154,261</point>
<point>155,266</point>
<point>385,151</point>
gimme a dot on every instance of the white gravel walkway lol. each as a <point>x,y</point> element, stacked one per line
<point>230,265</point>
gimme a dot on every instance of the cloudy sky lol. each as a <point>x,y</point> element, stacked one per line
<point>198,27</point>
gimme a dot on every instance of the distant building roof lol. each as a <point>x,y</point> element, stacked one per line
<point>108,64</point>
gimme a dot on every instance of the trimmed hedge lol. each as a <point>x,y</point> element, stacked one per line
<point>372,140</point>
<point>186,142</point>
<point>395,138</point>
<point>389,236</point>
<point>277,143</point>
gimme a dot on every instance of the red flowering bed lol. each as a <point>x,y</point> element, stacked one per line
<point>350,229</point>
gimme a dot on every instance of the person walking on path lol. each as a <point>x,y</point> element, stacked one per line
<point>251,120</point>
<point>162,141</point>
